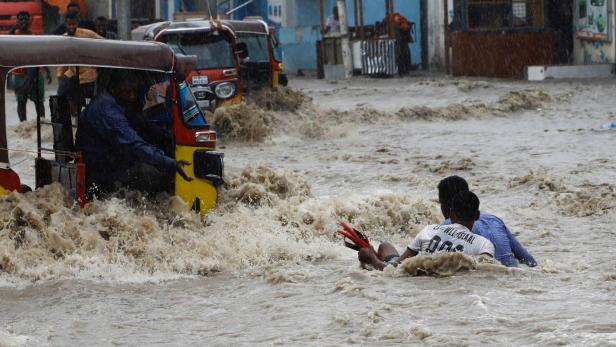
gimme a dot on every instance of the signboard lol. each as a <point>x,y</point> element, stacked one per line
<point>593,21</point>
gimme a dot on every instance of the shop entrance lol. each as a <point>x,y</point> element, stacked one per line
<point>560,21</point>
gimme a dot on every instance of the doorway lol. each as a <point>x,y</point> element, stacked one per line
<point>560,22</point>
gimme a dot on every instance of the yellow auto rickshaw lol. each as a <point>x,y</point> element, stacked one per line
<point>192,139</point>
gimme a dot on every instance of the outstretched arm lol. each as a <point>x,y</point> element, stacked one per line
<point>368,256</point>
<point>520,253</point>
<point>116,128</point>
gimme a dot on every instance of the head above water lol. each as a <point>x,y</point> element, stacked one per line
<point>72,22</point>
<point>465,208</point>
<point>447,189</point>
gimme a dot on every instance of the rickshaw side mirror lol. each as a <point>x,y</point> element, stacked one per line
<point>242,50</point>
<point>184,65</point>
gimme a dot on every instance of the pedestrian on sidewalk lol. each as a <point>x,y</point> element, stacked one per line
<point>29,83</point>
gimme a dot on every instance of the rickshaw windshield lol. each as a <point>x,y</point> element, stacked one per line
<point>258,48</point>
<point>191,113</point>
<point>213,50</point>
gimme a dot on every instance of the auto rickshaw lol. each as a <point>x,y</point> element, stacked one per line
<point>262,68</point>
<point>191,137</point>
<point>233,56</point>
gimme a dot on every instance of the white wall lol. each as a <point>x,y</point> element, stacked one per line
<point>436,34</point>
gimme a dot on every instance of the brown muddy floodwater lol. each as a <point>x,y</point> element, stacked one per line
<point>265,268</point>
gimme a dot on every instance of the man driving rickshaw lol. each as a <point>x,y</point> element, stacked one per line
<point>111,136</point>
<point>117,147</point>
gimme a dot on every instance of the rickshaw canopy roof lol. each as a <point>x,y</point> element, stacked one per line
<point>150,31</point>
<point>18,51</point>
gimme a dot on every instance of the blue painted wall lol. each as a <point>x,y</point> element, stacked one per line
<point>298,41</point>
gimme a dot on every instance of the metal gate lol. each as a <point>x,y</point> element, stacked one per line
<point>379,57</point>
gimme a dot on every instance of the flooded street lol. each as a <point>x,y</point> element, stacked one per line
<point>266,267</point>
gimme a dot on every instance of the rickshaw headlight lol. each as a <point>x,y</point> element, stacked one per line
<point>225,90</point>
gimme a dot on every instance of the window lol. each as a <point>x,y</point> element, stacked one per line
<point>486,15</point>
<point>258,46</point>
<point>213,51</point>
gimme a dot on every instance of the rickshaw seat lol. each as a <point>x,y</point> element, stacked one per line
<point>50,171</point>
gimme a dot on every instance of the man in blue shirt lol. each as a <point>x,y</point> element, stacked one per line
<point>508,249</point>
<point>115,154</point>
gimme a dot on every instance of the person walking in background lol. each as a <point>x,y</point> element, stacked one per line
<point>69,85</point>
<point>102,28</point>
<point>73,9</point>
<point>29,82</point>
<point>403,31</point>
<point>333,22</point>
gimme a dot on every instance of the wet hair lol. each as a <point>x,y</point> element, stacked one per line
<point>449,187</point>
<point>71,16</point>
<point>23,14</point>
<point>122,79</point>
<point>465,205</point>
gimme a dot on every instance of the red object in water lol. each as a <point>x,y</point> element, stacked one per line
<point>9,180</point>
<point>81,181</point>
<point>354,235</point>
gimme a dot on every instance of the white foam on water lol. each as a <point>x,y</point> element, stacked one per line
<point>266,267</point>
<point>8,339</point>
<point>265,217</point>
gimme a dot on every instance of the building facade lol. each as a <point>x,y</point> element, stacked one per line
<point>582,31</point>
<point>297,24</point>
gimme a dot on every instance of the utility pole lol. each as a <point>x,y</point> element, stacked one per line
<point>447,38</point>
<point>123,17</point>
<point>210,7</point>
<point>347,58</point>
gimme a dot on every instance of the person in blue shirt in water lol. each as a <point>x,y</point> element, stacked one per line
<point>507,248</point>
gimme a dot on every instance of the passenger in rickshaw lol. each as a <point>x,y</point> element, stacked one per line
<point>112,136</point>
<point>155,106</point>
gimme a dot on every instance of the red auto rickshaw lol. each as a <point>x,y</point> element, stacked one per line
<point>234,57</point>
<point>192,138</point>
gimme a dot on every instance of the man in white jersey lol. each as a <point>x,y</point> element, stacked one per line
<point>456,237</point>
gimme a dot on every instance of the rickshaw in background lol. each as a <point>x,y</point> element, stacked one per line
<point>191,138</point>
<point>262,68</point>
<point>234,57</point>
<point>215,79</point>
